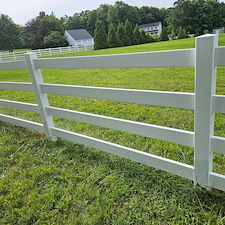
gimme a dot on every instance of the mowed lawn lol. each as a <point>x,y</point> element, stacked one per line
<point>66,183</point>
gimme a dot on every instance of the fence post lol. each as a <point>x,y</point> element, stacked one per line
<point>14,55</point>
<point>60,50</point>
<point>42,100</point>
<point>205,85</point>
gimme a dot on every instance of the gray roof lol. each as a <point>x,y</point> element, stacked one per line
<point>79,34</point>
<point>150,25</point>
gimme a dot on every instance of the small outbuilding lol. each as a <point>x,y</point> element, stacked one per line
<point>79,37</point>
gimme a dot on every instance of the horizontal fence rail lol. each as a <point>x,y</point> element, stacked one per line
<point>16,86</point>
<point>159,98</point>
<point>217,145</point>
<point>217,181</point>
<point>218,103</point>
<point>18,65</point>
<point>158,132</point>
<point>20,105</point>
<point>205,58</point>
<point>23,123</point>
<point>174,58</point>
<point>164,164</point>
<point>219,56</point>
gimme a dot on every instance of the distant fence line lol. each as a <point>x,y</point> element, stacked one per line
<point>14,56</point>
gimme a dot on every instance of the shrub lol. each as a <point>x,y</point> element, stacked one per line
<point>55,39</point>
<point>182,33</point>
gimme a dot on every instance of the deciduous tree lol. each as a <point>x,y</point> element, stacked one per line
<point>92,18</point>
<point>40,27</point>
<point>10,35</point>
<point>55,39</point>
<point>196,16</point>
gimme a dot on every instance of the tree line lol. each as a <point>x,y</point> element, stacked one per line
<point>124,35</point>
<point>187,16</point>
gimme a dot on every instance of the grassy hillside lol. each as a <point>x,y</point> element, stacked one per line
<point>157,46</point>
<point>66,183</point>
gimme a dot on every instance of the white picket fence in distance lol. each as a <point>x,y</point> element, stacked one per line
<point>14,56</point>
<point>205,58</point>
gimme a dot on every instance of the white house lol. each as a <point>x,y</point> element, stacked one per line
<point>152,28</point>
<point>79,37</point>
<point>218,30</point>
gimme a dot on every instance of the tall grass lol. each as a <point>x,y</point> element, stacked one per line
<point>65,183</point>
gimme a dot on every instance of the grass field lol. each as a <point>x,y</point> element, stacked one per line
<point>66,183</point>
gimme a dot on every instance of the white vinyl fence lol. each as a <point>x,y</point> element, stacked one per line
<point>14,56</point>
<point>205,58</point>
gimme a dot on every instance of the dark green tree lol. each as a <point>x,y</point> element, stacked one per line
<point>73,22</point>
<point>84,20</point>
<point>164,34</point>
<point>196,16</point>
<point>113,16</point>
<point>206,15</point>
<point>40,27</point>
<point>122,38</point>
<point>10,34</point>
<point>112,39</point>
<point>138,35</point>
<point>102,11</point>
<point>100,36</point>
<point>181,14</point>
<point>55,39</point>
<point>130,32</point>
<point>151,14</point>
<point>92,18</point>
<point>84,16</point>
<point>120,12</point>
<point>145,38</point>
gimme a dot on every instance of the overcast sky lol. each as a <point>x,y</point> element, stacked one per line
<point>21,11</point>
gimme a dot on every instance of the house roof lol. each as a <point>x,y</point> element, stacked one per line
<point>150,25</point>
<point>79,34</point>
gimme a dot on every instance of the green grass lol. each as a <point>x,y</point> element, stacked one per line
<point>157,46</point>
<point>66,183</point>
